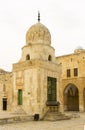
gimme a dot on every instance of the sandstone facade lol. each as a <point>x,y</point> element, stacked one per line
<point>73,80</point>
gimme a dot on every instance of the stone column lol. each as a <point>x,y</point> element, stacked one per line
<point>81,103</point>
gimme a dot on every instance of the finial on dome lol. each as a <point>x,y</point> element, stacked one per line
<point>38,16</point>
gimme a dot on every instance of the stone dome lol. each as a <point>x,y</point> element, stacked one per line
<point>38,33</point>
<point>79,49</point>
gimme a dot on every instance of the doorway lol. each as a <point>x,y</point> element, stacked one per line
<point>4,104</point>
<point>20,97</point>
<point>71,98</point>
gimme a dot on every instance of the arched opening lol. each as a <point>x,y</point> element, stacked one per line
<point>84,98</point>
<point>49,58</point>
<point>71,98</point>
<point>28,57</point>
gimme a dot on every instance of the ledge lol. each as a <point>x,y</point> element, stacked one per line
<point>52,103</point>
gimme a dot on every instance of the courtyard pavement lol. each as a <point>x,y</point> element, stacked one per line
<point>77,122</point>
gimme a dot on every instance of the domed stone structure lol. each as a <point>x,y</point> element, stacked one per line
<point>40,82</point>
<point>36,70</point>
<point>79,49</point>
<point>38,33</point>
<point>38,44</point>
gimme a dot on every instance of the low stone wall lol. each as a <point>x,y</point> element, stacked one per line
<point>16,119</point>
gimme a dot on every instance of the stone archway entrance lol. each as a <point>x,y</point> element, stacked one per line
<point>71,98</point>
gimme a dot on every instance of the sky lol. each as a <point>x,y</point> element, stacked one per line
<point>65,20</point>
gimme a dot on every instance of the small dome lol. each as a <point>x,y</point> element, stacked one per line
<point>79,49</point>
<point>38,33</point>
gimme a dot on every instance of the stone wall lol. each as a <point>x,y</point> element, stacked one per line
<point>71,61</point>
<point>6,90</point>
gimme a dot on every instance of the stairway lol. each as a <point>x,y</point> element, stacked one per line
<point>55,116</point>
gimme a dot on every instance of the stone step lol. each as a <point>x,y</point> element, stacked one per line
<point>55,113</point>
<point>55,116</point>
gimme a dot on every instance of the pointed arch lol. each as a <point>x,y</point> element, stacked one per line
<point>71,98</point>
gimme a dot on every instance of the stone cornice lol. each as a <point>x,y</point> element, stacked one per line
<point>72,79</point>
<point>37,44</point>
<point>34,64</point>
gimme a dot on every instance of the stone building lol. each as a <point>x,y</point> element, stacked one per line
<point>36,76</point>
<point>41,81</point>
<point>73,80</point>
<point>6,93</point>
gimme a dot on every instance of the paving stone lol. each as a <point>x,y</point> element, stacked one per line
<point>73,124</point>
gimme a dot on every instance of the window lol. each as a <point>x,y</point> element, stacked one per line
<point>28,57</point>
<point>68,73</point>
<point>75,71</point>
<point>51,89</point>
<point>19,97</point>
<point>49,58</point>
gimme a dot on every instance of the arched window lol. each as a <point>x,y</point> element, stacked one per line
<point>50,58</point>
<point>28,57</point>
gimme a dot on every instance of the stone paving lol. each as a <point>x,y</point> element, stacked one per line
<point>76,123</point>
